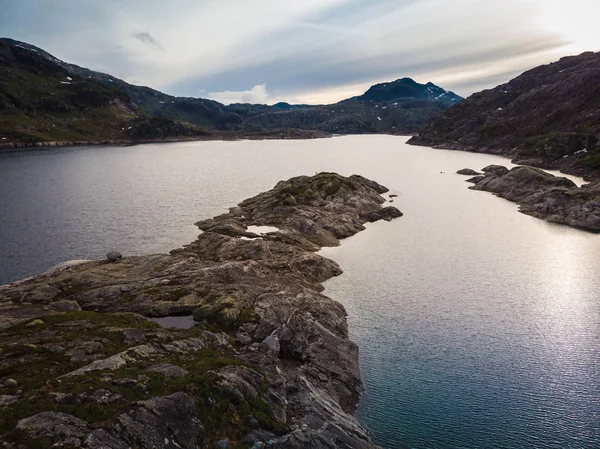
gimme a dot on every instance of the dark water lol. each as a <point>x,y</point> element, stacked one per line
<point>478,326</point>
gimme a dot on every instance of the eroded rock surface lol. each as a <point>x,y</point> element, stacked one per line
<point>543,195</point>
<point>269,362</point>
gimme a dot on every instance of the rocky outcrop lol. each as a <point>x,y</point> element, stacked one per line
<point>468,172</point>
<point>269,361</point>
<point>165,422</point>
<point>547,117</point>
<point>542,195</point>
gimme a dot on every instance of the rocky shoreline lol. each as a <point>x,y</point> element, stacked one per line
<point>543,195</point>
<point>269,363</point>
<point>569,164</point>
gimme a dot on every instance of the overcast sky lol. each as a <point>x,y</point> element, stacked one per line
<point>304,51</point>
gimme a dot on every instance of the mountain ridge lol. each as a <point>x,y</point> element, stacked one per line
<point>168,116</point>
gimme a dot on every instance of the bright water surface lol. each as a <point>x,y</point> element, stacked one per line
<point>478,326</point>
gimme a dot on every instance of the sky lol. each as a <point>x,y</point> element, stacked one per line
<point>304,51</point>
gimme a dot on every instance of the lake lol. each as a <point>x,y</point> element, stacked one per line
<point>478,326</point>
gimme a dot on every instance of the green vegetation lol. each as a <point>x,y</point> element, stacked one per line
<point>32,355</point>
<point>42,101</point>
<point>42,105</point>
<point>226,313</point>
<point>305,190</point>
<point>592,161</point>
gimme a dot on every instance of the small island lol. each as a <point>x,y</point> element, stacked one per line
<point>268,361</point>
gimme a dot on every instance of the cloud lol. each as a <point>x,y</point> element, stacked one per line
<point>304,49</point>
<point>257,95</point>
<point>146,38</point>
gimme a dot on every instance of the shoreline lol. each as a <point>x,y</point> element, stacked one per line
<point>224,136</point>
<point>292,134</point>
<point>568,167</point>
<point>258,299</point>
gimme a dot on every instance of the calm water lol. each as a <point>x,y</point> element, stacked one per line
<point>478,326</point>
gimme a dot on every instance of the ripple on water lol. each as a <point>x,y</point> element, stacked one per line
<point>478,327</point>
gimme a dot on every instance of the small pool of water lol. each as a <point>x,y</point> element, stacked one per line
<point>262,229</point>
<point>176,322</point>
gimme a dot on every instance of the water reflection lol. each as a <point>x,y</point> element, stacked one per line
<point>478,326</point>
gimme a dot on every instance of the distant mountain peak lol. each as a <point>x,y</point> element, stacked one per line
<point>404,88</point>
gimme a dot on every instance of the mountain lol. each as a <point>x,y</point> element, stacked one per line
<point>401,107</point>
<point>408,88</point>
<point>201,112</point>
<point>43,98</point>
<point>548,117</point>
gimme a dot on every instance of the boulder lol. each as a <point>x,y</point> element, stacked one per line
<point>495,170</point>
<point>271,345</point>
<point>157,420</point>
<point>386,213</point>
<point>113,256</point>
<point>59,427</point>
<point>7,399</point>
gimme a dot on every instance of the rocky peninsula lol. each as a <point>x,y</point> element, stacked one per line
<point>269,361</point>
<point>543,195</point>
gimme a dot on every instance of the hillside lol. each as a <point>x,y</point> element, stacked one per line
<point>548,117</point>
<point>42,101</point>
<point>45,99</point>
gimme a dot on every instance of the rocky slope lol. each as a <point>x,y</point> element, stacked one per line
<point>47,112</point>
<point>548,117</point>
<point>542,195</point>
<point>269,362</point>
<point>42,101</point>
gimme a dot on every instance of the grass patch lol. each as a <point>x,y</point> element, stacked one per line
<point>306,190</point>
<point>592,162</point>
<point>220,409</point>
